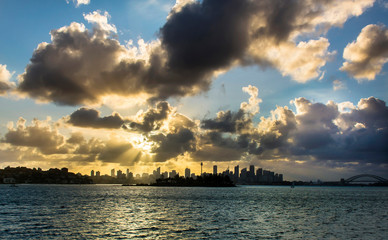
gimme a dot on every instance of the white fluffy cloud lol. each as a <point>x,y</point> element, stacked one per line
<point>5,77</point>
<point>101,21</point>
<point>366,56</point>
<point>79,2</point>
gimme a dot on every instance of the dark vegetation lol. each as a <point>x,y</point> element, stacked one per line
<point>51,176</point>
<point>201,181</point>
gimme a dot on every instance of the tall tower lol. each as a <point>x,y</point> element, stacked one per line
<point>201,168</point>
<point>92,173</point>
<point>215,170</point>
<point>236,172</point>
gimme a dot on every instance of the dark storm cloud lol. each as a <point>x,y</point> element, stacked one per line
<point>173,144</point>
<point>206,36</point>
<point>315,132</point>
<point>90,118</point>
<point>243,142</point>
<point>322,132</point>
<point>228,122</point>
<point>152,119</point>
<point>196,43</point>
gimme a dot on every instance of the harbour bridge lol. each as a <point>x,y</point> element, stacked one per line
<point>369,178</point>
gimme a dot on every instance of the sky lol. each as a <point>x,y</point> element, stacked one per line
<point>295,87</point>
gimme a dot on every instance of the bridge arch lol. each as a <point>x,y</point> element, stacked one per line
<point>379,179</point>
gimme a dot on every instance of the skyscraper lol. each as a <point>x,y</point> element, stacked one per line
<point>252,173</point>
<point>236,173</point>
<point>112,172</point>
<point>215,170</point>
<point>172,174</point>
<point>187,173</point>
<point>92,173</point>
<point>98,174</point>
<point>119,174</point>
<point>259,175</point>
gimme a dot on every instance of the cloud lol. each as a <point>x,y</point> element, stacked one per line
<point>90,118</point>
<point>366,56</point>
<point>79,2</point>
<point>100,21</point>
<point>198,41</point>
<point>44,141</point>
<point>302,61</point>
<point>321,132</point>
<point>5,76</point>
<point>338,85</point>
<point>119,151</point>
<point>40,136</point>
<point>236,122</point>
<point>152,119</point>
<point>252,106</point>
<point>227,121</point>
<point>331,134</point>
<point>325,134</point>
<point>171,145</point>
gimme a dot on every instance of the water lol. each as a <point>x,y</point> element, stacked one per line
<point>251,212</point>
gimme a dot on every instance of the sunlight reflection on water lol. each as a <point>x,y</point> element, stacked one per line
<point>251,212</point>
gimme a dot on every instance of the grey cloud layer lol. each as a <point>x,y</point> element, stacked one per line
<point>199,40</point>
<point>315,132</point>
<point>87,117</point>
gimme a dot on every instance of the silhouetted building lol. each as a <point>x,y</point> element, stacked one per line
<point>215,170</point>
<point>172,174</point>
<point>251,174</point>
<point>112,172</point>
<point>98,174</point>
<point>236,173</point>
<point>244,175</point>
<point>156,173</point>
<point>259,175</point>
<point>92,173</point>
<point>120,174</point>
<point>187,173</point>
<point>280,177</point>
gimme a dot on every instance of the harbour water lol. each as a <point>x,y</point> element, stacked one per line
<point>247,212</point>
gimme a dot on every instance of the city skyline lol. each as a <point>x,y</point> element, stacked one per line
<point>298,87</point>
<point>251,176</point>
